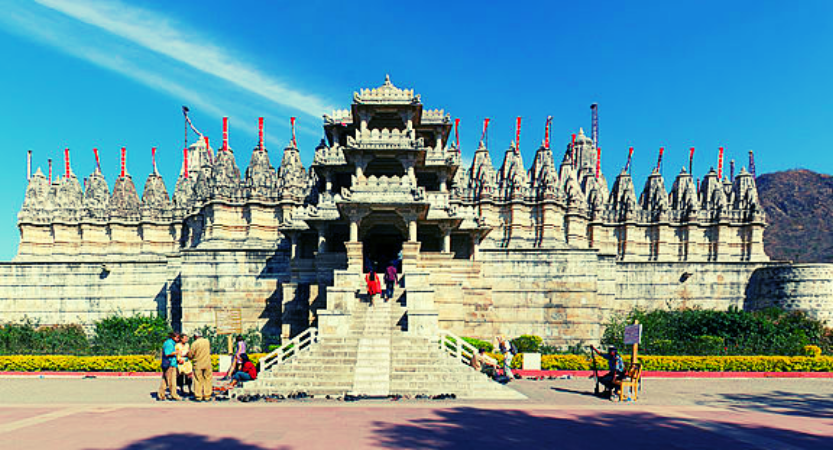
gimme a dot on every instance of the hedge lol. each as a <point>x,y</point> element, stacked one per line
<point>143,363</point>
<point>124,363</point>
<point>690,363</point>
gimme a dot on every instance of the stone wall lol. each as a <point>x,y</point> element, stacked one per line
<point>675,285</point>
<point>82,292</point>
<point>805,287</point>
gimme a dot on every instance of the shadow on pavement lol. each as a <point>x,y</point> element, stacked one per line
<point>778,402</point>
<point>573,391</point>
<point>486,429</point>
<point>187,441</point>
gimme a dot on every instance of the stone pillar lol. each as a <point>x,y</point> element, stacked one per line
<point>446,230</point>
<point>293,248</point>
<point>412,230</point>
<point>443,182</point>
<point>322,239</point>
<point>354,230</point>
<point>328,177</point>
<point>354,256</point>
<point>475,251</point>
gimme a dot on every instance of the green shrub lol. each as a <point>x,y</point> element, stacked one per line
<point>734,332</point>
<point>478,344</point>
<point>133,335</point>
<point>254,340</point>
<point>527,343</point>
<point>29,338</point>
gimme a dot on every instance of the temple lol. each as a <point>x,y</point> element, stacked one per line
<point>545,249</point>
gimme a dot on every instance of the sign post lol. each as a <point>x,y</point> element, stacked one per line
<point>229,321</point>
<point>633,336</point>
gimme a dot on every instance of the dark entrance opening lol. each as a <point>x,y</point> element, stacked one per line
<point>382,246</point>
<point>388,167</point>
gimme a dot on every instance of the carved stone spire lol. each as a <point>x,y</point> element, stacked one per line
<point>292,176</point>
<point>654,196</point>
<point>512,181</point>
<point>543,178</point>
<point>97,196</point>
<point>745,194</point>
<point>69,198</point>
<point>684,194</point>
<point>155,201</point>
<point>482,175</point>
<point>124,203</point>
<point>623,197</point>
<point>595,190</point>
<point>261,181</point>
<point>585,153</point>
<point>225,176</point>
<point>35,204</point>
<point>712,195</point>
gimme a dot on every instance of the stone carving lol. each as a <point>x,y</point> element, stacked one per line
<point>512,182</point>
<point>481,175</point>
<point>225,176</point>
<point>261,181</point>
<point>124,204</point>
<point>654,198</point>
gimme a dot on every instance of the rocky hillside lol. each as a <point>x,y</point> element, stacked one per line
<point>799,208</point>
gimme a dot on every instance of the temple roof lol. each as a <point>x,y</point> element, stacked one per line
<point>386,94</point>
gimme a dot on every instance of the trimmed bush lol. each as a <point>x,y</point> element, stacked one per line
<point>28,338</point>
<point>527,343</point>
<point>478,344</point>
<point>732,332</point>
<point>122,335</point>
<point>61,363</point>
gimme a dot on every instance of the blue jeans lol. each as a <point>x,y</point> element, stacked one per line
<point>241,376</point>
<point>389,289</point>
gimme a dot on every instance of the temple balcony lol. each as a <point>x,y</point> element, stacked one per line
<point>385,139</point>
<point>384,189</point>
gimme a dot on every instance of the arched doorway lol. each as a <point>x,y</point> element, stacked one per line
<point>382,235</point>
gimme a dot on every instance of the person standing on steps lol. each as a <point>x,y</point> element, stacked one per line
<point>391,278</point>
<point>509,351</point>
<point>168,369</point>
<point>200,355</point>
<point>374,286</point>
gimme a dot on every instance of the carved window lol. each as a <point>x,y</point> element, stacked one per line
<point>682,244</point>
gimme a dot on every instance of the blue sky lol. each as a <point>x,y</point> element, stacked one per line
<point>742,75</point>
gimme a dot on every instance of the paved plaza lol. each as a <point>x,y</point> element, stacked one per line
<point>121,413</point>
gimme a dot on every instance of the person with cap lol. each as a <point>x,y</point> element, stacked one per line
<point>616,368</point>
<point>200,356</point>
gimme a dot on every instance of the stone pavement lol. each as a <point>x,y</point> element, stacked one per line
<point>694,413</point>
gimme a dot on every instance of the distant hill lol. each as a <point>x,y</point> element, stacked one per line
<point>799,208</point>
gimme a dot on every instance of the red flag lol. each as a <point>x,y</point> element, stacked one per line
<point>260,132</point>
<point>50,170</point>
<point>208,150</point>
<point>598,161</point>
<point>485,127</point>
<point>457,134</point>
<point>691,161</point>
<point>294,143</point>
<point>518,137</point>
<point>123,152</point>
<point>628,164</point>
<point>97,162</point>
<point>66,161</point>
<point>225,134</point>
<point>185,161</point>
<point>573,152</point>
<point>720,164</point>
<point>659,160</point>
<point>547,133</point>
<point>153,159</point>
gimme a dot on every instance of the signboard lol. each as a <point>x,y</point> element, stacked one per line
<point>228,321</point>
<point>633,334</point>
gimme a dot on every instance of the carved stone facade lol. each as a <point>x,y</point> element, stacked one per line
<point>546,250</point>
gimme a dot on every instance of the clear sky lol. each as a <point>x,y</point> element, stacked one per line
<point>742,75</point>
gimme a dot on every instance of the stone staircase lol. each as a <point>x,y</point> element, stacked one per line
<point>377,355</point>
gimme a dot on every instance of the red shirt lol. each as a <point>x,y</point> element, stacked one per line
<point>249,368</point>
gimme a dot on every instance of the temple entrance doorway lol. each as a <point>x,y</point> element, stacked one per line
<point>382,246</point>
<point>382,236</point>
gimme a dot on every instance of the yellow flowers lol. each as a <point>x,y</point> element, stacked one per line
<point>62,363</point>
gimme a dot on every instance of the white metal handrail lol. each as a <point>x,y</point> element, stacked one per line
<point>456,347</point>
<point>290,349</point>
